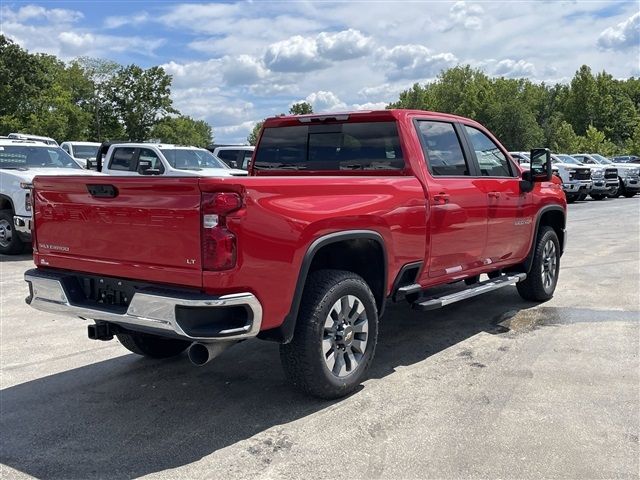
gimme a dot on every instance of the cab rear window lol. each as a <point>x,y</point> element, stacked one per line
<point>341,146</point>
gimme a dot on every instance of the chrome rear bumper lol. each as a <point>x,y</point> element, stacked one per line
<point>148,310</point>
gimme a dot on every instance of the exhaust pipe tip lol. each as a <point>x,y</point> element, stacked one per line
<point>199,354</point>
<point>202,353</point>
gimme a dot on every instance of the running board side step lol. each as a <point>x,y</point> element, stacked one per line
<point>433,303</point>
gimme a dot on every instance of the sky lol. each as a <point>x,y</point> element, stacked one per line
<point>235,63</point>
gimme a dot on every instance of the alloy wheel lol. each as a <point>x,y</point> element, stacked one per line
<point>549,265</point>
<point>346,331</point>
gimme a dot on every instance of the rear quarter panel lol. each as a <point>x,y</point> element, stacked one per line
<point>284,215</point>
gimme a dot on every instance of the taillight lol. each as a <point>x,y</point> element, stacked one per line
<point>218,243</point>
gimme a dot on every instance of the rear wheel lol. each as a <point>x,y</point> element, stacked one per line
<point>543,277</point>
<point>10,243</point>
<point>335,335</point>
<point>153,346</point>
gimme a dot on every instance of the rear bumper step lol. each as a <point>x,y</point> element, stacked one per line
<point>469,292</point>
<point>193,317</point>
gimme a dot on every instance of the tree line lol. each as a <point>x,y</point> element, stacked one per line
<point>90,99</point>
<point>592,113</point>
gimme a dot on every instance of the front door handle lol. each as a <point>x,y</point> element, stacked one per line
<point>494,194</point>
<point>441,198</point>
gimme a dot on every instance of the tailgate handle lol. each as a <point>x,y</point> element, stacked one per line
<point>103,191</point>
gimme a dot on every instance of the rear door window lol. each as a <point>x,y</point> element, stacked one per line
<point>341,146</point>
<point>442,149</point>
<point>123,159</point>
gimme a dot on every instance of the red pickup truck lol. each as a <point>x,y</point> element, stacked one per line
<point>339,214</point>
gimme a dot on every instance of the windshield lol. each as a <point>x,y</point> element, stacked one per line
<point>85,151</point>
<point>568,159</point>
<point>29,156</point>
<point>601,159</point>
<point>191,159</point>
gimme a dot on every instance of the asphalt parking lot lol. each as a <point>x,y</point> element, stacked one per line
<point>494,387</point>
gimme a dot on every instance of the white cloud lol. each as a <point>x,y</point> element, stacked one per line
<point>242,70</point>
<point>36,12</point>
<point>622,36</point>
<point>121,21</point>
<point>414,61</point>
<point>296,54</point>
<point>466,15</point>
<point>514,69</point>
<point>324,101</point>
<point>344,45</point>
<point>77,43</point>
<point>304,54</point>
<point>370,106</point>
<point>50,31</point>
<point>194,74</point>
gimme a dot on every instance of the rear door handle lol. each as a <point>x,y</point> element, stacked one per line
<point>494,194</point>
<point>441,198</point>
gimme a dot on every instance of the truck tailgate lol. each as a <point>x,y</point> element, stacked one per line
<point>139,228</point>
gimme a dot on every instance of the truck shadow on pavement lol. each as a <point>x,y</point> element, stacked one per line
<point>127,417</point>
<point>16,258</point>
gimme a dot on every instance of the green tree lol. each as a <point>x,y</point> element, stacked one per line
<point>596,141</point>
<point>301,108</point>
<point>632,145</point>
<point>139,99</point>
<point>580,107</point>
<point>563,138</point>
<point>183,130</point>
<point>252,139</point>
<point>416,98</point>
<point>463,91</point>
<point>104,124</point>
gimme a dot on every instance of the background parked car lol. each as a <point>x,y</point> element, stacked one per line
<point>20,161</point>
<point>37,138</point>
<point>161,159</point>
<point>81,151</point>
<point>626,159</point>
<point>236,156</point>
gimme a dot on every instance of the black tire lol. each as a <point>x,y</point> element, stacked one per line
<point>10,243</point>
<point>598,196</point>
<point>304,359</point>
<point>582,197</point>
<point>629,194</point>
<point>616,192</point>
<point>535,286</point>
<point>571,198</point>
<point>152,346</point>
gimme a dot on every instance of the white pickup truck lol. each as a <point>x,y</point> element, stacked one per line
<point>20,161</point>
<point>159,159</point>
<point>576,178</point>
<point>81,151</point>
